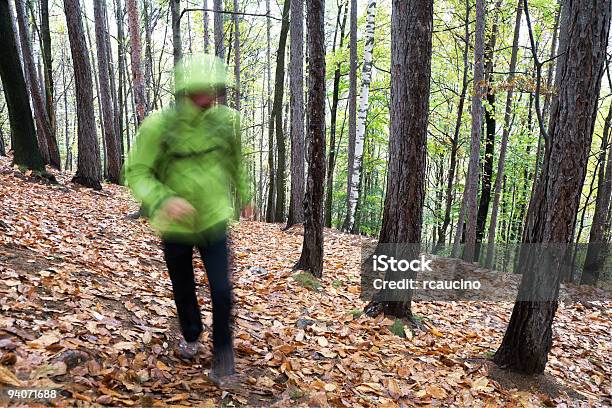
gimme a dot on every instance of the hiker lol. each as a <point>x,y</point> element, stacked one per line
<point>186,169</point>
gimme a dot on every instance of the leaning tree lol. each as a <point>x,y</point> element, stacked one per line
<point>551,218</point>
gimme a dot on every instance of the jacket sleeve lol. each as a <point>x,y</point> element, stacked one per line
<point>239,177</point>
<point>140,166</point>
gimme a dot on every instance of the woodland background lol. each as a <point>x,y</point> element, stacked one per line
<point>467,127</point>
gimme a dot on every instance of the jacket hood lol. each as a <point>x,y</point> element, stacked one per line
<point>200,72</point>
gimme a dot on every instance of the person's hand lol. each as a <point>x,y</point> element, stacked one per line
<point>177,209</point>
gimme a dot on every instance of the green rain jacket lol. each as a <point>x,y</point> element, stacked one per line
<point>194,154</point>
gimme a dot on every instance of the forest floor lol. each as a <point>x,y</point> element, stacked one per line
<point>86,307</point>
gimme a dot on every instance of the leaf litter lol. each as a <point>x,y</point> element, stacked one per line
<point>87,308</point>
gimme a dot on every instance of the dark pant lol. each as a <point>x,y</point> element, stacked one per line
<point>180,267</point>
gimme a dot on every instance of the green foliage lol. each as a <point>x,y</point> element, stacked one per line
<point>397,328</point>
<point>307,280</point>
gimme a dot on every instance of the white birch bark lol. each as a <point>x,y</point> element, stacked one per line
<point>362,113</point>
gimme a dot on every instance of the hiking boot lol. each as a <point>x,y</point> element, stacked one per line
<point>188,350</point>
<point>222,365</point>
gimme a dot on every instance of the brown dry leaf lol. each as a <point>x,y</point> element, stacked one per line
<point>45,340</point>
<point>178,397</point>
<point>436,391</point>
<point>330,387</point>
<point>49,370</point>
<point>8,378</point>
<point>322,341</point>
<point>481,384</point>
<point>394,390</point>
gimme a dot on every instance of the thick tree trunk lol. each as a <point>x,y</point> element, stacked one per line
<point>311,258</point>
<point>552,211</point>
<point>136,59</point>
<point>501,161</point>
<point>331,161</point>
<point>24,144</point>
<point>296,66</point>
<point>411,45</point>
<point>352,108</point>
<point>88,161</point>
<point>471,189</point>
<point>362,114</point>
<point>42,119</point>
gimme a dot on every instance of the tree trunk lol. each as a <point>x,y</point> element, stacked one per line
<point>206,26</point>
<point>237,203</point>
<point>148,55</point>
<point>594,257</point>
<point>88,161</point>
<point>331,161</point>
<point>470,194</point>
<point>311,258</point>
<point>296,66</point>
<point>455,140</point>
<point>24,144</point>
<point>277,116</point>
<point>175,9</point>
<point>362,114</point>
<point>271,171</point>
<point>490,122</point>
<point>136,59</point>
<point>45,35</point>
<point>219,34</point>
<point>44,127</point>
<point>411,46</point>
<point>113,162</point>
<point>504,142</point>
<point>119,14</point>
<point>552,210</point>
<point>352,109</point>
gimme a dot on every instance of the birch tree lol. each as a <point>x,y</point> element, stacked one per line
<point>362,113</point>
